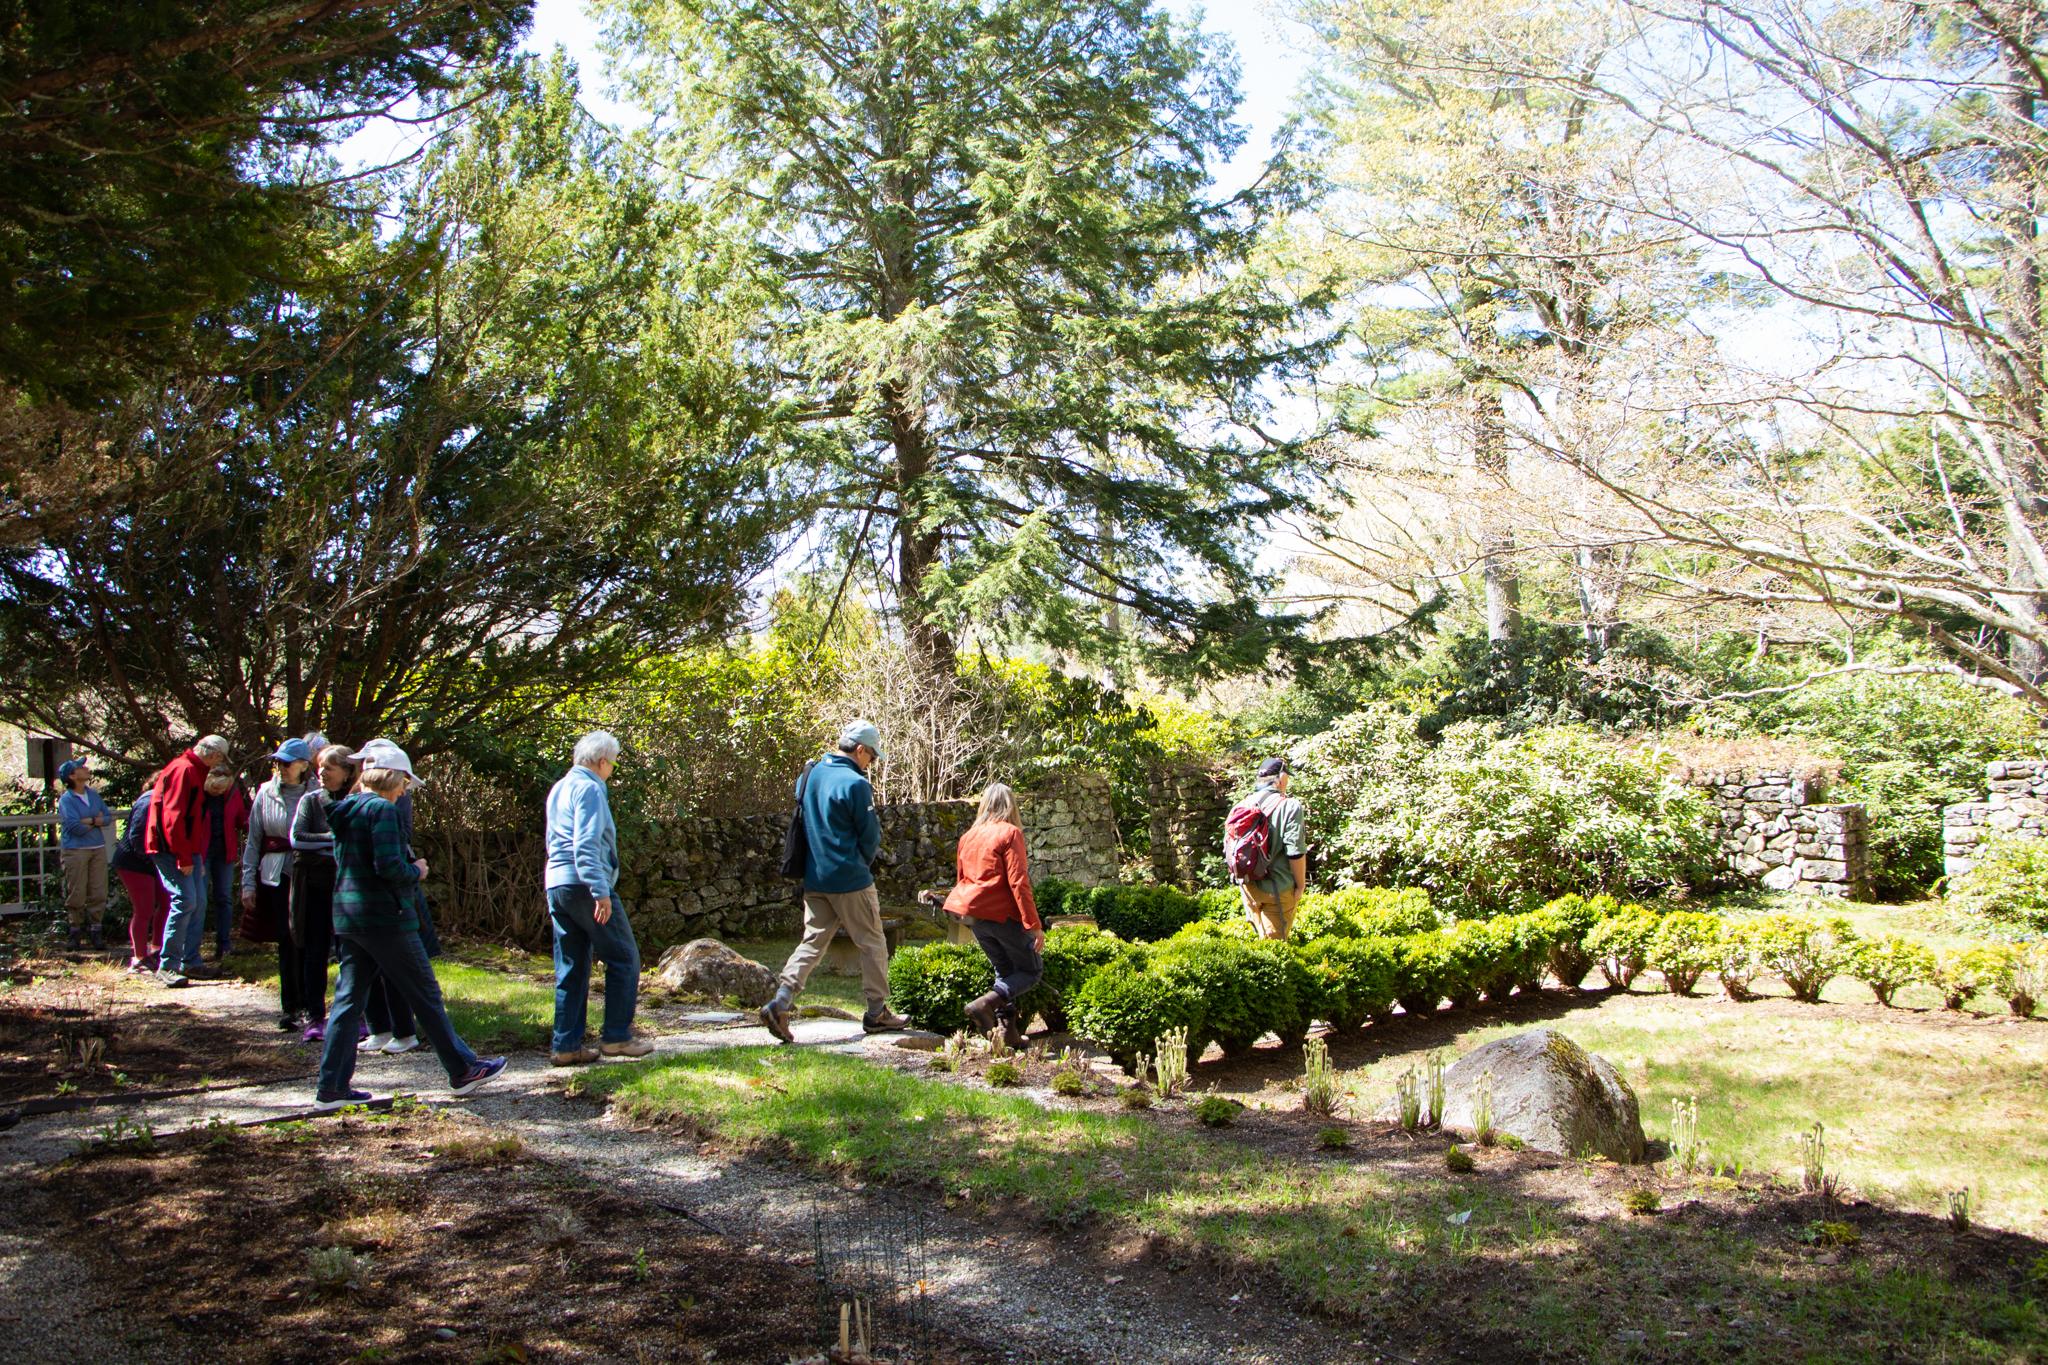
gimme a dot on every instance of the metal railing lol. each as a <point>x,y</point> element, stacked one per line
<point>31,866</point>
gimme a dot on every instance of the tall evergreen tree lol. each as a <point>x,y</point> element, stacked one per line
<point>1024,340</point>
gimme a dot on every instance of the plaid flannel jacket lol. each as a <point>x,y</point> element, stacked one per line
<point>374,880</point>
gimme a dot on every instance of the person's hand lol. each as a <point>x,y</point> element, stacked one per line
<point>602,910</point>
<point>184,864</point>
<point>421,864</point>
<point>1038,941</point>
<point>248,898</point>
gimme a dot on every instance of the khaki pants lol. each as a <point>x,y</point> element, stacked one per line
<point>1272,916</point>
<point>859,913</point>
<point>85,885</point>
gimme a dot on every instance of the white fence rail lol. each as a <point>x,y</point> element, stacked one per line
<point>31,868</point>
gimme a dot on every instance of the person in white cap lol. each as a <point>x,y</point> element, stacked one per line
<point>842,835</point>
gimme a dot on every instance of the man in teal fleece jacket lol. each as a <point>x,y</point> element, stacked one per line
<point>843,834</point>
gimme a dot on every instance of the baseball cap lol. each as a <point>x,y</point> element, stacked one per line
<point>293,751</point>
<point>861,732</point>
<point>382,753</point>
<point>1273,767</point>
<point>68,767</point>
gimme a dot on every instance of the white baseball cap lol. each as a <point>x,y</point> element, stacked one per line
<point>382,753</point>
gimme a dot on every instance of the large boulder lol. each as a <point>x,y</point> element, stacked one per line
<point>704,966</point>
<point>1552,1094</point>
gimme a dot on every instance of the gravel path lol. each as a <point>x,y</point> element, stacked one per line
<point>1056,1302</point>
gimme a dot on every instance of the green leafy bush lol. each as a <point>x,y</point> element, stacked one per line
<point>933,982</point>
<point>1886,964</point>
<point>1804,953</point>
<point>1222,904</point>
<point>1359,911</point>
<point>1685,947</point>
<point>1141,914</point>
<point>1620,944</point>
<point>1003,1074</point>
<point>1422,971</point>
<point>2022,977</point>
<point>2008,886</point>
<point>1073,953</point>
<point>1568,920</point>
<point>1124,1007</point>
<point>1741,961</point>
<point>1962,976</point>
<point>1216,1111</point>
<point>1056,896</point>
<point>1351,980</point>
<point>1245,990</point>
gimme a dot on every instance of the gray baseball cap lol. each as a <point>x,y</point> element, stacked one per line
<point>861,732</point>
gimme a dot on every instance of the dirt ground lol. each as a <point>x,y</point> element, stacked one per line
<point>419,1236</point>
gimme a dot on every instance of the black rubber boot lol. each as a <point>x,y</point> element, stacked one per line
<point>985,1013</point>
<point>72,942</point>
<point>1013,1030</point>
<point>99,939</point>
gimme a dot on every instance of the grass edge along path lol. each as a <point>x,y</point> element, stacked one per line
<point>1466,1264</point>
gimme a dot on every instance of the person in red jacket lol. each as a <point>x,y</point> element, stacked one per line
<point>993,894</point>
<point>176,841</point>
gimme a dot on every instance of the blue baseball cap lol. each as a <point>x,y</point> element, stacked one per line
<point>293,751</point>
<point>68,767</point>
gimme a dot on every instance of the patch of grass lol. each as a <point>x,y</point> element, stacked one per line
<point>497,997</point>
<point>482,1149</point>
<point>1359,1240</point>
<point>824,987</point>
<point>1642,1200</point>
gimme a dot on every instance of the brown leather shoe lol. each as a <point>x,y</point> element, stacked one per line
<point>582,1056</point>
<point>775,1017</point>
<point>632,1047</point>
<point>881,1019</point>
<point>985,1012</point>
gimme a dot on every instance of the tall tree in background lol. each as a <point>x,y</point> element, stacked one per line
<point>1028,350</point>
<point>500,455</point>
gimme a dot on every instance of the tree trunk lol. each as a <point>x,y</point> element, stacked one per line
<point>1497,539</point>
<point>918,547</point>
<point>2025,652</point>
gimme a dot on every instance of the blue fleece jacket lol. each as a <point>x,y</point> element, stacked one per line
<point>841,826</point>
<point>583,842</point>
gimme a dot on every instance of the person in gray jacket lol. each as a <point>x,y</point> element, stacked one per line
<point>267,868</point>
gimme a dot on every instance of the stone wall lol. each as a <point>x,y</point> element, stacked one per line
<point>2017,805</point>
<point>1187,805</point>
<point>717,876</point>
<point>1776,830</point>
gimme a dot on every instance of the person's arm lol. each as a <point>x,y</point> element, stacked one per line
<point>869,821</point>
<point>586,843</point>
<point>1295,846</point>
<point>1017,871</point>
<point>73,812</point>
<point>309,826</point>
<point>252,853</point>
<point>387,851</point>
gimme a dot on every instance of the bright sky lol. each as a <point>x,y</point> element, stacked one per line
<point>1271,56</point>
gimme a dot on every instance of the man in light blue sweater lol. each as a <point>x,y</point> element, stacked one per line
<point>585,911</point>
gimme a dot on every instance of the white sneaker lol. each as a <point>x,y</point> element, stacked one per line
<point>376,1042</point>
<point>408,1043</point>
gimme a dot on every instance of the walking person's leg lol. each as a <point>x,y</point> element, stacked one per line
<point>570,921</point>
<point>1018,968</point>
<point>821,922</point>
<point>402,960</point>
<point>275,903</point>
<point>338,1057</point>
<point>313,916</point>
<point>74,863</point>
<point>220,895</point>
<point>860,914</point>
<point>614,945</point>
<point>192,937</point>
<point>186,890</point>
<point>145,894</point>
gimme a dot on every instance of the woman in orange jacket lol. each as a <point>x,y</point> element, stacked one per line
<point>993,894</point>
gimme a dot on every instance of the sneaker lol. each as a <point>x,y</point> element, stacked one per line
<point>324,1105</point>
<point>316,1032</point>
<point>170,980</point>
<point>290,1023</point>
<point>376,1042</point>
<point>775,1016</point>
<point>881,1019</point>
<point>199,971</point>
<point>485,1069</point>
<point>632,1047</point>
<point>582,1056</point>
<point>398,1046</point>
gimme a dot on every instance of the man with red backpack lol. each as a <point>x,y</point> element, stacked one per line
<point>1265,848</point>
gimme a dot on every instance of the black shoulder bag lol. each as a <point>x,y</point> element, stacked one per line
<point>796,842</point>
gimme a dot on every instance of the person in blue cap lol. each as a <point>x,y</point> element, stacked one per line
<point>842,834</point>
<point>267,872</point>
<point>82,846</point>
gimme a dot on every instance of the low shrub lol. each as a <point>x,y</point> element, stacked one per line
<point>1620,944</point>
<point>932,983</point>
<point>1802,952</point>
<point>2008,886</point>
<point>1962,976</point>
<point>1458,1161</point>
<point>1070,1084</point>
<point>1124,1008</point>
<point>1056,896</point>
<point>1003,1074</point>
<point>1216,1111</point>
<point>1741,960</point>
<point>1422,968</point>
<point>1685,947</point>
<point>1223,903</point>
<point>1245,990</point>
<point>1365,911</point>
<point>1073,953</point>
<point>1886,964</point>
<point>2022,977</point>
<point>1333,1139</point>
<point>1351,980</point>
<point>1569,920</point>
<point>1141,913</point>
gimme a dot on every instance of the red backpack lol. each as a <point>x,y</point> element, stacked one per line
<point>1248,840</point>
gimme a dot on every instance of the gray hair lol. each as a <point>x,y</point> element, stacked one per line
<point>597,747</point>
<point>211,746</point>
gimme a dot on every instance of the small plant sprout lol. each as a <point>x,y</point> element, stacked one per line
<point>952,1052</point>
<point>1004,1073</point>
<point>337,1268</point>
<point>1408,1099</point>
<point>1170,1064</point>
<point>1959,1211</point>
<point>1458,1161</point>
<point>1642,1200</point>
<point>1434,1080</point>
<point>1333,1139</point>
<point>1319,1093</point>
<point>1215,1111</point>
<point>1136,1095</point>
<point>1814,1175</point>
<point>1482,1110</point>
<point>1824,1233</point>
<point>998,1046</point>
<point>1685,1134</point>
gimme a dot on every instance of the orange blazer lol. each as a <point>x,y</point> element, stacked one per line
<point>995,882</point>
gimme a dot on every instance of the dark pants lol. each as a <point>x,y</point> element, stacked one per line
<point>572,910</point>
<point>386,1008</point>
<point>220,893</point>
<point>312,929</point>
<point>1008,945</point>
<point>274,904</point>
<point>397,957</point>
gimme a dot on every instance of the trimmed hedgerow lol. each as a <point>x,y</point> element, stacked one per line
<point>1803,953</point>
<point>1364,912</point>
<point>1351,979</point>
<point>1245,990</point>
<point>1569,920</point>
<point>1073,953</point>
<point>1620,944</point>
<point>933,982</point>
<point>1125,1007</point>
<point>1886,964</point>
<point>1140,913</point>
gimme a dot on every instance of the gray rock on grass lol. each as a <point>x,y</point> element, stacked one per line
<point>704,966</point>
<point>1552,1094</point>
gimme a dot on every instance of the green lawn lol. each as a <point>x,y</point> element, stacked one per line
<point>497,997</point>
<point>825,988</point>
<point>1399,1244</point>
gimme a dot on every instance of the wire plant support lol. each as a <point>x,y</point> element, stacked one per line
<point>872,1278</point>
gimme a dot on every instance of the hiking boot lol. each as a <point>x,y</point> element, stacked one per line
<point>632,1047</point>
<point>881,1019</point>
<point>171,980</point>
<point>484,1070</point>
<point>985,1012</point>
<point>290,1023</point>
<point>199,971</point>
<point>775,1015</point>
<point>582,1056</point>
<point>99,938</point>
<point>72,941</point>
<point>1013,1031</point>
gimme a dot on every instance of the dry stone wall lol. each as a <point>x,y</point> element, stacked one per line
<point>1187,804</point>
<point>2017,805</point>
<point>1776,829</point>
<point>716,877</point>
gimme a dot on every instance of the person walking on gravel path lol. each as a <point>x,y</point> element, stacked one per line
<point>84,820</point>
<point>1272,892</point>
<point>585,911</point>
<point>175,840</point>
<point>842,834</point>
<point>376,926</point>
<point>993,894</point>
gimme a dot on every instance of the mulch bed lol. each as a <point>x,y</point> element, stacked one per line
<point>65,1038</point>
<point>460,1244</point>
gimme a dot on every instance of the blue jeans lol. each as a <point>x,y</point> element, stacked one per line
<point>396,957</point>
<point>185,925</point>
<point>1008,945</point>
<point>572,912</point>
<point>220,894</point>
